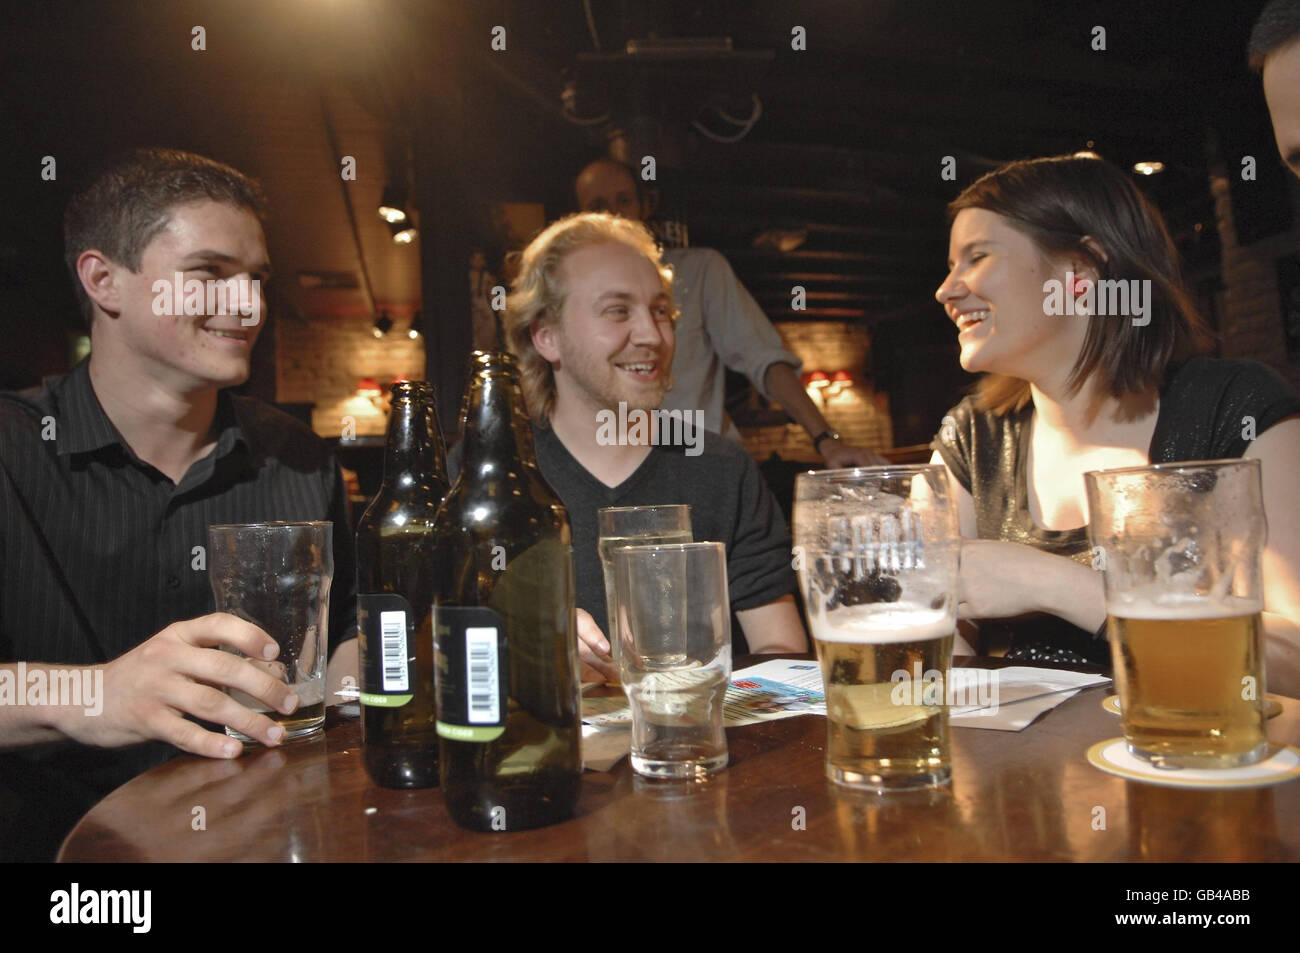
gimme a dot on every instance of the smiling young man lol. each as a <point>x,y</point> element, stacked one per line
<point>590,319</point>
<point>111,475</point>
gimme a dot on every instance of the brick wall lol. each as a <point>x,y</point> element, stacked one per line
<point>320,358</point>
<point>1250,321</point>
<point>858,412</point>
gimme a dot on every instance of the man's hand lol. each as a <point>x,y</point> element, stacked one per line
<point>839,455</point>
<point>179,671</point>
<point>593,651</point>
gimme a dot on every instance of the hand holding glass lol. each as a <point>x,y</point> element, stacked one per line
<point>277,576</point>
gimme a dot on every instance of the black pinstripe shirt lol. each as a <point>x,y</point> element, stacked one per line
<point>99,550</point>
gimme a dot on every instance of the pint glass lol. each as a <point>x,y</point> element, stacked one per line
<point>876,549</point>
<point>635,525</point>
<point>1180,545</point>
<point>277,576</point>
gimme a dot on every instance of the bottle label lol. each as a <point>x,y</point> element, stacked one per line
<point>472,677</point>
<point>384,622</point>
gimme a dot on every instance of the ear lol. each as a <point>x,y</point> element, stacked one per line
<point>1083,266</point>
<point>98,277</point>
<point>545,337</point>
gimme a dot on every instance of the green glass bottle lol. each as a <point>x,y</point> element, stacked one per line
<point>507,664</point>
<point>395,579</point>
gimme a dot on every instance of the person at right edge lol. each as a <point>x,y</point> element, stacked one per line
<point>1274,52</point>
<point>1066,392</point>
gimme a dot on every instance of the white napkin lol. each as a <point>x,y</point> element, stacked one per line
<point>1009,699</point>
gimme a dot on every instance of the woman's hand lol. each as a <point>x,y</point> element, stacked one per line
<point>1000,579</point>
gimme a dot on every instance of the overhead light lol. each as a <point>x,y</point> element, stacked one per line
<point>1148,168</point>
<point>417,326</point>
<point>392,207</point>
<point>402,234</point>
<point>1085,154</point>
<point>383,324</point>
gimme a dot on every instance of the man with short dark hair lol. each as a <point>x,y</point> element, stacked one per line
<point>590,319</point>
<point>1274,52</point>
<point>111,475</point>
<point>720,323</point>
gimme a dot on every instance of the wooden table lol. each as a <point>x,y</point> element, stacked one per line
<point>1028,795</point>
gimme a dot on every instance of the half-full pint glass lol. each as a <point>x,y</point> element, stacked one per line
<point>1180,546</point>
<point>876,550</point>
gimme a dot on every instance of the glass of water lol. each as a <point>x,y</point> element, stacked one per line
<point>673,629</point>
<point>640,525</point>
<point>277,576</point>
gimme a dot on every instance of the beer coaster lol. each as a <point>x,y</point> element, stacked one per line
<point>1113,757</point>
<point>1272,707</point>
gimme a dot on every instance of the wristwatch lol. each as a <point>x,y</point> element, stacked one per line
<point>832,434</point>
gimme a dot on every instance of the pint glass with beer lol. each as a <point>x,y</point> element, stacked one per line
<point>1181,545</point>
<point>876,549</point>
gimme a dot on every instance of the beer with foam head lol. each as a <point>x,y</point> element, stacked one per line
<point>1182,547</point>
<point>1191,680</point>
<point>884,670</point>
<point>877,553</point>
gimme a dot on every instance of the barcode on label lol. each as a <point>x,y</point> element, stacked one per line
<point>481,669</point>
<point>392,631</point>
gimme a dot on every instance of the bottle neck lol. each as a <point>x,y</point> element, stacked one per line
<point>415,457</point>
<point>498,439</point>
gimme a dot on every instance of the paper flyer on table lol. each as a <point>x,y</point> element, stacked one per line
<point>779,688</point>
<point>1006,699</point>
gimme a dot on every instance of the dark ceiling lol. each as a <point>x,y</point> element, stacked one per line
<point>848,150</point>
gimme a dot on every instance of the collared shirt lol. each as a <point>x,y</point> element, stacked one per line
<point>719,323</point>
<point>99,550</point>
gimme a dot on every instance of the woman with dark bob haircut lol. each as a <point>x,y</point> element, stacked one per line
<point>1064,287</point>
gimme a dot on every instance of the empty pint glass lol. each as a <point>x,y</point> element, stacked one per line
<point>277,576</point>
<point>674,633</point>
<point>641,526</point>
<point>877,550</point>
<point>1180,545</point>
